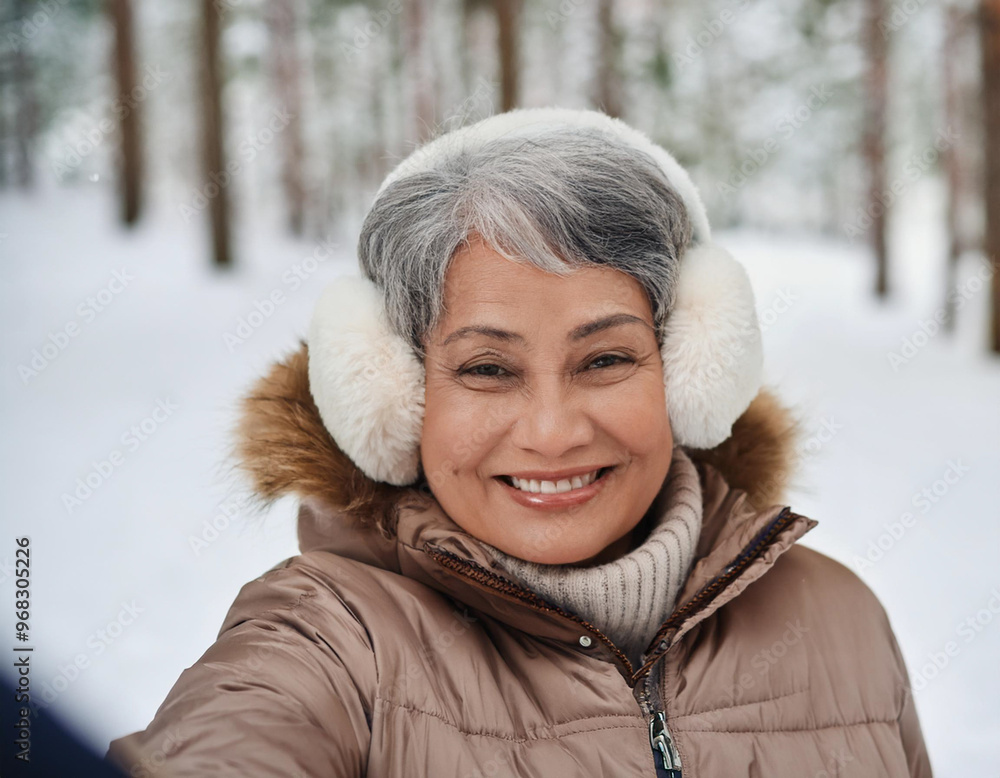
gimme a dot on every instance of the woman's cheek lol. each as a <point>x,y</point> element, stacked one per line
<point>462,426</point>
<point>635,414</point>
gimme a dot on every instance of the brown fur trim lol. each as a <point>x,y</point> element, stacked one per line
<point>282,444</point>
<point>760,454</point>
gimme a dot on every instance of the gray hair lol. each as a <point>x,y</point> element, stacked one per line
<point>566,198</point>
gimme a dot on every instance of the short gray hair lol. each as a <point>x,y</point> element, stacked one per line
<point>565,198</point>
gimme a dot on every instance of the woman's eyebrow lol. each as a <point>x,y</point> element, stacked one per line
<point>579,333</point>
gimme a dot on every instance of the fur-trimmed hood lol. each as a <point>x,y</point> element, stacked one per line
<point>283,446</point>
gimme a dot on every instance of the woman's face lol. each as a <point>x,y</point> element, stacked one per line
<point>546,377</point>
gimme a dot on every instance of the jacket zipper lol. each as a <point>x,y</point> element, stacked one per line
<point>666,758</point>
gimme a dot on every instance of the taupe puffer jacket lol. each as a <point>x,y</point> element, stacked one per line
<point>411,656</point>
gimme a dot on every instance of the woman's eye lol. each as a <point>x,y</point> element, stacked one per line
<point>473,371</point>
<point>495,371</point>
<point>619,359</point>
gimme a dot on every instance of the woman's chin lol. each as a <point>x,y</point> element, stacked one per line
<point>551,550</point>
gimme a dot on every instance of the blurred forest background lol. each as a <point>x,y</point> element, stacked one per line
<point>179,180</point>
<point>322,97</point>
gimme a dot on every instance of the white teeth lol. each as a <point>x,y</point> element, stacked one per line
<point>554,487</point>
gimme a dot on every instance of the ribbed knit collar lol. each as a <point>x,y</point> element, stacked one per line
<point>630,597</point>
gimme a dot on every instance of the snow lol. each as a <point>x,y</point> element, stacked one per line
<point>119,591</point>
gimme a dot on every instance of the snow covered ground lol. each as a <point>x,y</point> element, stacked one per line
<point>901,462</point>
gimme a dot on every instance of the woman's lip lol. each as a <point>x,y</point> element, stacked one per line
<point>561,500</point>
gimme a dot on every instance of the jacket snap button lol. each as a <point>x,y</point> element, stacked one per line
<point>585,641</point>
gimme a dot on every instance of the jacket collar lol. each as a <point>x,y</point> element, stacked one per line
<point>282,445</point>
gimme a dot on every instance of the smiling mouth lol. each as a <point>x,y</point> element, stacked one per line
<point>533,486</point>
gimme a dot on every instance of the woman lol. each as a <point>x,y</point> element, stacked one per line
<point>540,517</point>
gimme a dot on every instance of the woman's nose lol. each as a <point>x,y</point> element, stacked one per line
<point>552,422</point>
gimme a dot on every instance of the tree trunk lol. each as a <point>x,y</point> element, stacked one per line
<point>951,159</point>
<point>990,37</point>
<point>608,86</point>
<point>4,130</point>
<point>421,87</point>
<point>465,56</point>
<point>327,71</point>
<point>26,120</point>
<point>508,15</point>
<point>282,20</point>
<point>876,96</point>
<point>130,171</point>
<point>216,176</point>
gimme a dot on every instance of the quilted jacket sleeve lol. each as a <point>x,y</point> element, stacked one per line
<point>913,740</point>
<point>285,690</point>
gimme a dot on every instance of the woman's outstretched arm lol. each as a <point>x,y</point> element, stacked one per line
<point>285,691</point>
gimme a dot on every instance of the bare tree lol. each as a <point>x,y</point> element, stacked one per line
<point>4,131</point>
<point>876,97</point>
<point>608,83</point>
<point>989,25</point>
<point>415,35</point>
<point>216,177</point>
<point>26,120</point>
<point>467,9</point>
<point>282,19</point>
<point>951,158</point>
<point>508,18</point>
<point>130,177</point>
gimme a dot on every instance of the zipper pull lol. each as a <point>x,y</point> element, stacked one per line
<point>665,756</point>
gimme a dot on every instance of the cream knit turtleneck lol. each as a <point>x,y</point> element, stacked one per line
<point>630,597</point>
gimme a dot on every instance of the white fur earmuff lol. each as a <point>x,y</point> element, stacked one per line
<point>712,355</point>
<point>367,382</point>
<point>369,385</point>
